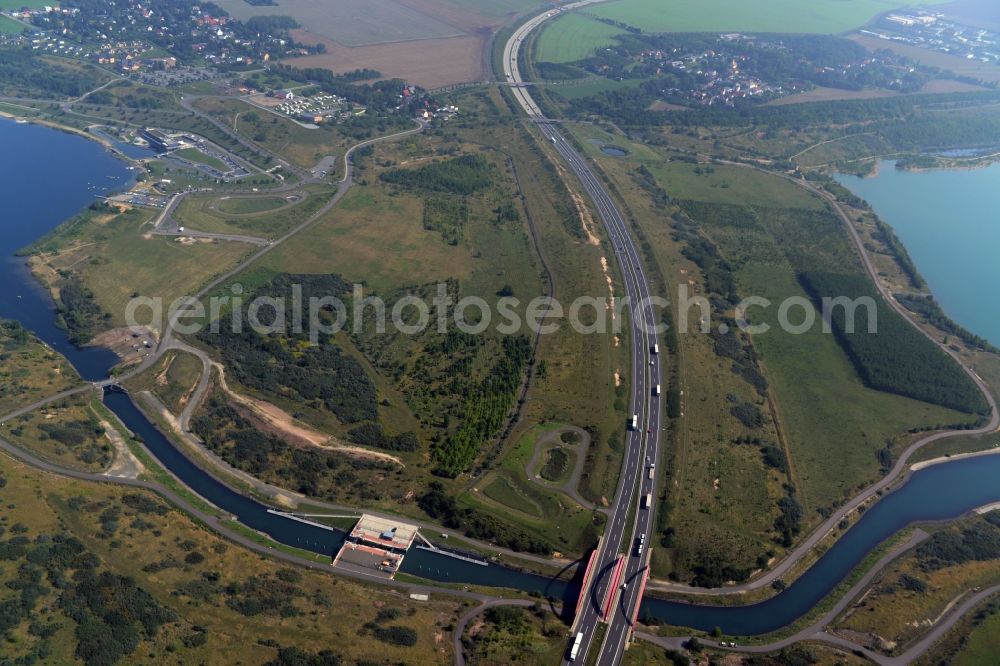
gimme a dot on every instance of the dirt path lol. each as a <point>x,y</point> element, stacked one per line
<point>125,465</point>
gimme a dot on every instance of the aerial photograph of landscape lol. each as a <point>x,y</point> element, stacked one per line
<point>492,332</point>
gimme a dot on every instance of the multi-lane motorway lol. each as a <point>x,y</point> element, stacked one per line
<point>630,520</point>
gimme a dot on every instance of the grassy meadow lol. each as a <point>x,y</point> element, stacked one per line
<point>116,258</point>
<point>575,36</point>
<point>263,216</point>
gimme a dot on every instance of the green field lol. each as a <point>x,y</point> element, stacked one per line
<point>588,88</point>
<point>983,644</point>
<point>572,37</point>
<point>575,36</point>
<point>249,205</point>
<point>529,504</point>
<point>723,500</point>
<point>819,16</point>
<point>9,25</point>
<point>834,423</point>
<point>198,157</point>
<point>116,259</point>
<point>264,216</point>
<point>18,4</point>
<point>730,185</point>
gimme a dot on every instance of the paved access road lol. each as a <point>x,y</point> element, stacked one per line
<point>629,521</point>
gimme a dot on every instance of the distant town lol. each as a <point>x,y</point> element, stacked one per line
<point>933,31</point>
<point>135,36</point>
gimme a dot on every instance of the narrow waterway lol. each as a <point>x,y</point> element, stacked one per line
<point>33,158</point>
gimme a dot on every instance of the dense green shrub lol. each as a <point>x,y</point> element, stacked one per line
<point>896,358</point>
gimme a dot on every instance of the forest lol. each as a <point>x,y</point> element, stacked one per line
<point>26,74</point>
<point>321,374</point>
<point>486,410</point>
<point>465,175</point>
<point>897,358</point>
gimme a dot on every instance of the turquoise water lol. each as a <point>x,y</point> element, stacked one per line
<point>949,222</point>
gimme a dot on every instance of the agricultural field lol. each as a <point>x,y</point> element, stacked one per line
<point>572,37</point>
<point>7,5</point>
<point>456,59</point>
<point>354,22</point>
<point>588,88</point>
<point>430,43</point>
<point>200,598</point>
<point>576,35</point>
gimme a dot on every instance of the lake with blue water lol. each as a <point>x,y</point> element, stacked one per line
<point>46,176</point>
<point>949,222</point>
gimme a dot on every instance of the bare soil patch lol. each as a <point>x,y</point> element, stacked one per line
<point>273,419</point>
<point>939,86</point>
<point>429,63</point>
<point>466,20</point>
<point>831,94</point>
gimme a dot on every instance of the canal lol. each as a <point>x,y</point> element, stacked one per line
<point>84,170</point>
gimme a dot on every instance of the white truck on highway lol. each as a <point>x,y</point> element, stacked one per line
<point>633,423</point>
<point>574,650</point>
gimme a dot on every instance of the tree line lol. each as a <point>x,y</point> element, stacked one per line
<point>897,358</point>
<point>486,410</point>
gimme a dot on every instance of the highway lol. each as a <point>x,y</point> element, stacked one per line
<point>629,520</point>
